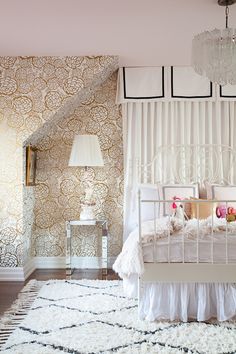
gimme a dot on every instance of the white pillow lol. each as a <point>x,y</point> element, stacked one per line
<point>221,192</point>
<point>149,192</point>
<point>169,191</point>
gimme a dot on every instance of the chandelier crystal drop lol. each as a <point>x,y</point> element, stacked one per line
<point>214,53</point>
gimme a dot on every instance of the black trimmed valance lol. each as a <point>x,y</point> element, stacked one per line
<point>175,83</point>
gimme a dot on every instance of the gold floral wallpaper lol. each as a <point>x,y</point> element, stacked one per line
<point>35,93</point>
<point>59,187</point>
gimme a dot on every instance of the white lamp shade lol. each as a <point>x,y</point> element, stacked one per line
<point>86,151</point>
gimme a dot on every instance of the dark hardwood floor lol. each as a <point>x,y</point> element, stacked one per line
<point>9,290</point>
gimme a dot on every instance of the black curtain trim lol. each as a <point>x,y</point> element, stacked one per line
<point>176,96</point>
<point>226,96</point>
<point>145,97</point>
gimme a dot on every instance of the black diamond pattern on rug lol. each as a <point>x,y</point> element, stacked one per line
<point>94,317</point>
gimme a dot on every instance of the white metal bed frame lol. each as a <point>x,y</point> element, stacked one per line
<point>214,163</point>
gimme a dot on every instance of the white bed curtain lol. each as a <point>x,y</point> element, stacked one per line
<point>149,125</point>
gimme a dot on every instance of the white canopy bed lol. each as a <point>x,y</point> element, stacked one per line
<point>182,269</point>
<point>177,276</point>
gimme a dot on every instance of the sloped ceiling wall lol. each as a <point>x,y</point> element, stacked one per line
<point>32,91</point>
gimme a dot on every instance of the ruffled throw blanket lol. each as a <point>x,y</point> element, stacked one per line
<point>130,260</point>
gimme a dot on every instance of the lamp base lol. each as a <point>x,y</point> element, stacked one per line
<point>87,213</point>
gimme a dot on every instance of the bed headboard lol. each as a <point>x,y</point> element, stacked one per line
<point>188,163</point>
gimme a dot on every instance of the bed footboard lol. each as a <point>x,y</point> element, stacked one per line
<point>186,269</point>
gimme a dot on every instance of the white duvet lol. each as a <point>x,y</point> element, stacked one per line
<point>130,260</point>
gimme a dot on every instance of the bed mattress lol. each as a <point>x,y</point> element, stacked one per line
<point>208,252</point>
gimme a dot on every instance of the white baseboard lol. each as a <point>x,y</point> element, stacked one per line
<point>49,262</point>
<point>22,273</point>
<point>29,268</point>
<point>12,274</point>
<point>17,273</point>
<point>77,262</point>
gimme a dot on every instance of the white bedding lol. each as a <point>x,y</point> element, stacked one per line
<point>155,236</point>
<point>184,301</point>
<point>159,253</point>
<point>181,301</point>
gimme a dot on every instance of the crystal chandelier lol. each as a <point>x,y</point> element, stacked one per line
<point>214,52</point>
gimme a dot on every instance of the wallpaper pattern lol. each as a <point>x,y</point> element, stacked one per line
<point>59,187</point>
<point>33,91</point>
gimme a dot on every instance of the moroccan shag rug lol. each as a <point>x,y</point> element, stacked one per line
<point>94,316</point>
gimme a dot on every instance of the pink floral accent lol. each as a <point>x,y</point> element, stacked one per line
<point>174,205</point>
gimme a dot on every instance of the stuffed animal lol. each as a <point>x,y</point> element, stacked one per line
<point>178,209</point>
<point>231,214</point>
<point>230,217</point>
<point>221,211</point>
<point>174,204</point>
<point>228,213</point>
<point>231,211</point>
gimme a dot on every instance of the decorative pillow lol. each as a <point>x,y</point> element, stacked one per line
<point>169,191</point>
<point>221,192</point>
<point>202,192</point>
<point>149,211</point>
<point>203,211</point>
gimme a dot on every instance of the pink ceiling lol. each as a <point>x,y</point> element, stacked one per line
<point>147,32</point>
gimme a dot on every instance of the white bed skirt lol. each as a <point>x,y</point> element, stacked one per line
<point>182,301</point>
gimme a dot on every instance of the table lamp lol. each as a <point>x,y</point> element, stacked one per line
<point>86,153</point>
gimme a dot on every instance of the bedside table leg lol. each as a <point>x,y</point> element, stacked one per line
<point>68,249</point>
<point>104,249</point>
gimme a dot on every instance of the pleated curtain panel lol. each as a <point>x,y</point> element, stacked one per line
<point>149,124</point>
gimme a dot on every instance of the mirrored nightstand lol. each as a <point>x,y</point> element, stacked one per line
<point>104,235</point>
